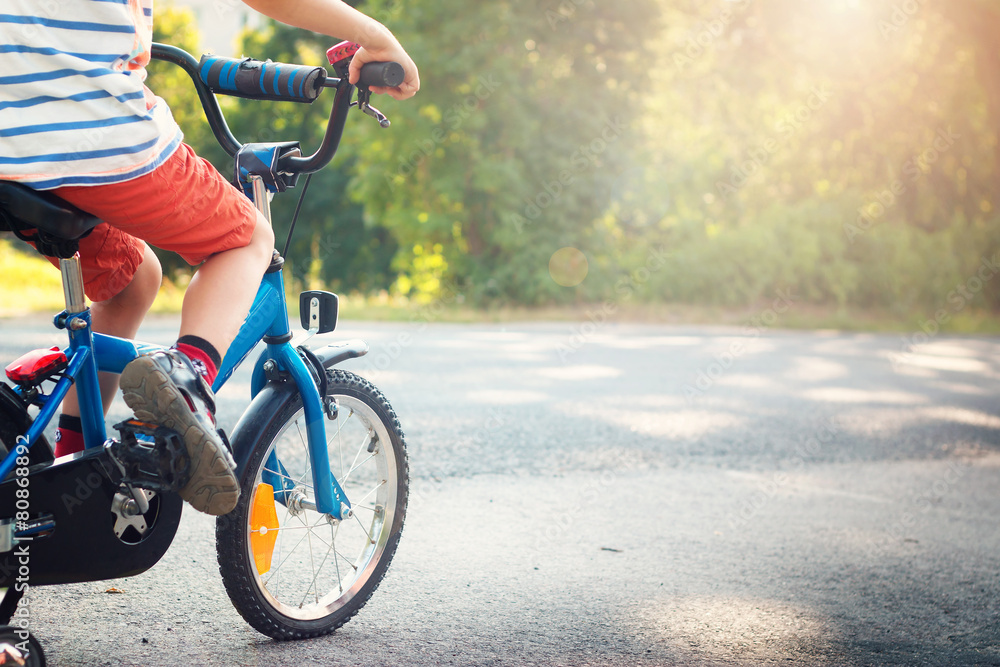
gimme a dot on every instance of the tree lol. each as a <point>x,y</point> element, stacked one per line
<point>508,151</point>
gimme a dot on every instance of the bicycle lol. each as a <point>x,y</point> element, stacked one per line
<point>320,453</point>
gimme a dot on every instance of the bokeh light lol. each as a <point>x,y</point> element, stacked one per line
<point>568,266</point>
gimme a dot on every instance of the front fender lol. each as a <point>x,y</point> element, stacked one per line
<point>329,355</point>
<point>265,408</point>
<point>333,354</point>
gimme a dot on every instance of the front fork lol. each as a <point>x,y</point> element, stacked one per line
<point>270,309</point>
<point>330,497</point>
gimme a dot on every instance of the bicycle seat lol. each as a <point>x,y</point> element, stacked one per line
<point>25,209</point>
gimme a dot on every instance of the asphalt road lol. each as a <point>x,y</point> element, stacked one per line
<point>629,495</point>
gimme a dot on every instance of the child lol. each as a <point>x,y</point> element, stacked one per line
<point>76,119</point>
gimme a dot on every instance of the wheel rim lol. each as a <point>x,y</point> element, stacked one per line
<point>317,567</point>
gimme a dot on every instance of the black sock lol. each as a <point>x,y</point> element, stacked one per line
<point>204,346</point>
<point>70,423</point>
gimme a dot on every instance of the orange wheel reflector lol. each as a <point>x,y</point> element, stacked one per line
<point>263,527</point>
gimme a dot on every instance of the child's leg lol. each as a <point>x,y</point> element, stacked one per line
<point>121,276</point>
<point>185,206</point>
<point>221,292</point>
<point>121,316</point>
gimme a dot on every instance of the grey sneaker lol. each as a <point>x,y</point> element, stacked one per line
<point>164,388</point>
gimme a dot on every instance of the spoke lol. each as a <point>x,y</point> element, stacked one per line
<point>322,518</point>
<point>357,466</point>
<point>340,427</point>
<point>305,450</point>
<point>365,530</point>
<point>286,528</point>
<point>336,563</point>
<point>374,489</point>
<point>305,479</point>
<point>312,564</point>
<point>275,574</point>
<point>363,447</point>
<point>348,561</point>
<point>278,473</point>
<point>312,584</point>
<point>275,570</point>
<point>302,438</point>
<point>340,446</point>
<point>281,541</point>
<point>338,437</point>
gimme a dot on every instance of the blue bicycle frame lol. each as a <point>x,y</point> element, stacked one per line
<point>267,320</point>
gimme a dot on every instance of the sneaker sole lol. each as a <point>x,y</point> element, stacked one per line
<point>154,398</point>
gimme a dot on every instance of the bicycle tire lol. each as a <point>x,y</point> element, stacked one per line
<point>377,488</point>
<point>28,649</point>
<point>15,421</point>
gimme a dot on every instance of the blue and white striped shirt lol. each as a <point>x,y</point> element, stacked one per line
<point>73,106</point>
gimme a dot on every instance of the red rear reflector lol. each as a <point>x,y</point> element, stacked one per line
<point>36,365</point>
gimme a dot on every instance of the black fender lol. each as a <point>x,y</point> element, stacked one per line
<point>331,355</point>
<point>271,400</point>
<point>263,411</point>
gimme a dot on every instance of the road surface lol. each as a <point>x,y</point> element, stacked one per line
<point>608,494</point>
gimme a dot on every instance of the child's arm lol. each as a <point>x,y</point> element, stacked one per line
<point>334,18</point>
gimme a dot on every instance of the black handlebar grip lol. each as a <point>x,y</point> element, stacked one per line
<point>387,75</point>
<point>256,80</point>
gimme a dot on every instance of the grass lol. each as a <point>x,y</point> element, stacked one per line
<point>29,284</point>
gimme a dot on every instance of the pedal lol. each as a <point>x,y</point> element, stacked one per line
<point>150,457</point>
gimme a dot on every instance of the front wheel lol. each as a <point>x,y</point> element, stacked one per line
<point>290,571</point>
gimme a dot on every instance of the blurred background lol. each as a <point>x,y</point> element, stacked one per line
<point>646,157</point>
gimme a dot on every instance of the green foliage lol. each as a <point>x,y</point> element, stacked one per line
<point>846,150</point>
<point>708,153</point>
<point>500,159</point>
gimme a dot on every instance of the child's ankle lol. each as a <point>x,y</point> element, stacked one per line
<point>69,435</point>
<point>203,355</point>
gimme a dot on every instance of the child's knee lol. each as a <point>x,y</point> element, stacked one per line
<point>140,292</point>
<point>148,277</point>
<point>262,239</point>
<point>265,230</point>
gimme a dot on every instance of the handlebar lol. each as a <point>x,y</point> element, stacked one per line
<point>256,80</point>
<point>388,75</point>
<point>216,121</point>
<point>252,79</point>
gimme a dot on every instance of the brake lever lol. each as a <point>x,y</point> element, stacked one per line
<point>364,95</point>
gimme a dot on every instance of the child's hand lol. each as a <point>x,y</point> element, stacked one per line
<point>336,18</point>
<point>388,50</point>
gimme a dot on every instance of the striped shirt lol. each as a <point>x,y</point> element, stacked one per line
<point>73,106</point>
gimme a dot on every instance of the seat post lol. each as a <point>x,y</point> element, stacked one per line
<point>72,280</point>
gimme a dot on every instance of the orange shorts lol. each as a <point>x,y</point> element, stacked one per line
<point>184,206</point>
